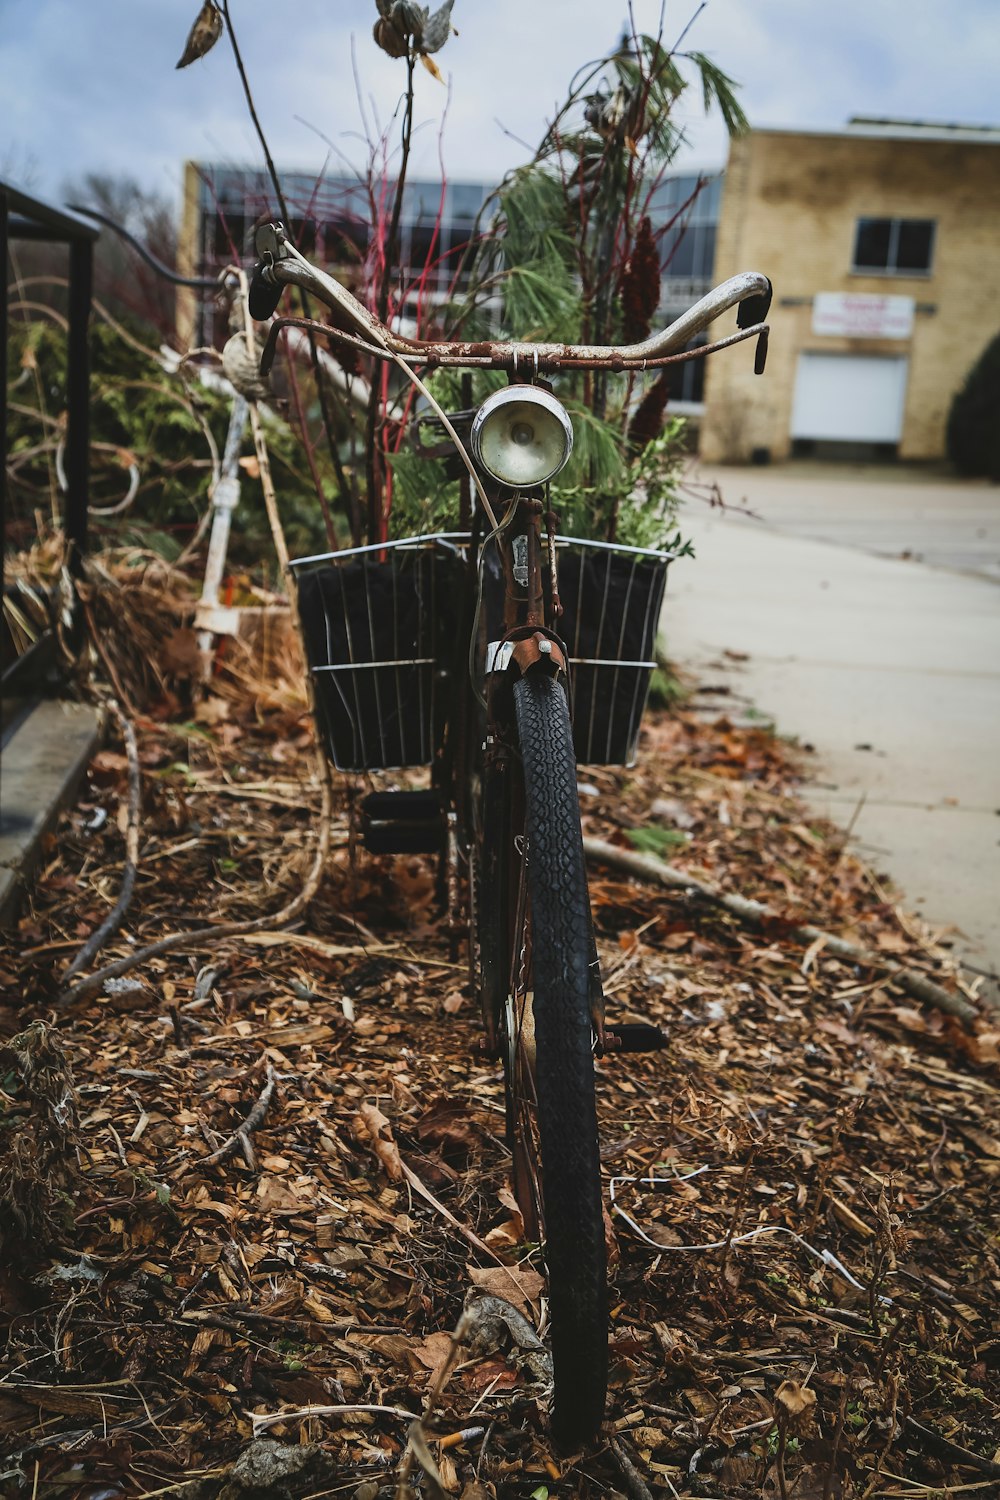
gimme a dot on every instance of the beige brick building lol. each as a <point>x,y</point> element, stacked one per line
<point>883,244</point>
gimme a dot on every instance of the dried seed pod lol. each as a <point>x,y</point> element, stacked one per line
<point>647,422</point>
<point>203,34</point>
<point>640,285</point>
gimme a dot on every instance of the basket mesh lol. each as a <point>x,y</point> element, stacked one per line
<point>379,626</point>
<point>611,600</point>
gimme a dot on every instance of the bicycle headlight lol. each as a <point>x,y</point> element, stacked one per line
<point>522,436</point>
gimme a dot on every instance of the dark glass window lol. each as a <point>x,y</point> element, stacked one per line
<point>894,246</point>
<point>345,241</point>
<point>466,200</point>
<point>424,248</point>
<point>681,256</point>
<point>871,248</point>
<point>687,381</point>
<point>916,238</point>
<point>706,251</point>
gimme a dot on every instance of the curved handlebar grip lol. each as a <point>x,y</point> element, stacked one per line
<point>754,310</point>
<point>749,288</point>
<point>263,296</point>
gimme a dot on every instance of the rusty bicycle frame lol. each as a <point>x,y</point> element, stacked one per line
<point>492,795</point>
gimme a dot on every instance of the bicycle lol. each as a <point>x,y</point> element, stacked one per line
<point>492,717</point>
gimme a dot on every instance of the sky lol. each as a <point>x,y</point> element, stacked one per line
<point>90,85</point>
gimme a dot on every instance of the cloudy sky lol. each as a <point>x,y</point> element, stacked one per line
<point>90,85</point>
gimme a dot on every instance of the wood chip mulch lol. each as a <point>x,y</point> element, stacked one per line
<point>173,1285</point>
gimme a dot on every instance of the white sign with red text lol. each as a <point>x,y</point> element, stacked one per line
<point>862,315</point>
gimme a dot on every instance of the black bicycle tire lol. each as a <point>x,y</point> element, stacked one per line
<point>575,1250</point>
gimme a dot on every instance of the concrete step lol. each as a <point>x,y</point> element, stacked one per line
<point>41,767</point>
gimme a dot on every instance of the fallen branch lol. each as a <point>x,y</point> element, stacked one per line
<point>954,1451</point>
<point>114,920</point>
<point>756,913</point>
<point>205,936</point>
<point>274,1419</point>
<point>240,1138</point>
<point>634,1482</point>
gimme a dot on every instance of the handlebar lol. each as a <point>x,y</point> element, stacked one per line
<point>200,283</point>
<point>281,265</point>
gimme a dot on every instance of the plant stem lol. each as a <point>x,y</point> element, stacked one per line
<point>322,389</point>
<point>375,459</point>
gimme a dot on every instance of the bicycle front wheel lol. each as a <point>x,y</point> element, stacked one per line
<point>549,1058</point>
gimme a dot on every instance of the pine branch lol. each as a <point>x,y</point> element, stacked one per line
<point>719,88</point>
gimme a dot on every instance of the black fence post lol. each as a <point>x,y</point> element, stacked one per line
<point>3,447</point>
<point>3,389</point>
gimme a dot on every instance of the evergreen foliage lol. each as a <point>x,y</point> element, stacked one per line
<point>573,256</point>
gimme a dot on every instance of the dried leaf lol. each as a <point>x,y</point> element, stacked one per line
<point>433,1352</point>
<point>371,1125</point>
<point>180,654</point>
<point>212,711</point>
<point>985,1047</point>
<point>388,38</point>
<point>521,1288</point>
<point>203,34</point>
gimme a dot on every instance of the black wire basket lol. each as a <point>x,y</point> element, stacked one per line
<point>611,597</point>
<point>379,625</point>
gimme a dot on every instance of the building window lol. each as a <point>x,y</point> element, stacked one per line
<point>686,382</point>
<point>894,247</point>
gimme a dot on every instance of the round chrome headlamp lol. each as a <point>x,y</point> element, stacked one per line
<point>522,436</point>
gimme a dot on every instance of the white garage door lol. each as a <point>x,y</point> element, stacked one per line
<point>849,397</point>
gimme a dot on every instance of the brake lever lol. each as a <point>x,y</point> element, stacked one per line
<point>265,292</point>
<point>754,309</point>
<point>760,352</point>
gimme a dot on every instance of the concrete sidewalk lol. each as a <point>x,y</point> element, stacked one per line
<point>891,669</point>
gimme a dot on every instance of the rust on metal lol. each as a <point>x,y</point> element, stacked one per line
<point>496,354</point>
<point>538,647</point>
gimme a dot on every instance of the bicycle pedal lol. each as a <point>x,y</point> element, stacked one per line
<point>402,822</point>
<point>635,1036</point>
<point>402,806</point>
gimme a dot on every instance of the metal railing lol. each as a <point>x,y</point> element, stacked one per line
<point>23,217</point>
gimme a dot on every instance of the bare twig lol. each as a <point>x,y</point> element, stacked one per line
<point>274,1419</point>
<point>322,389</point>
<point>240,1138</point>
<point>416,1447</point>
<point>634,1482</point>
<point>737,1211</point>
<point>655,871</point>
<point>446,1213</point>
<point>374,455</point>
<point>208,936</point>
<point>838,1433</point>
<point>954,1451</point>
<point>107,663</point>
<point>116,916</point>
